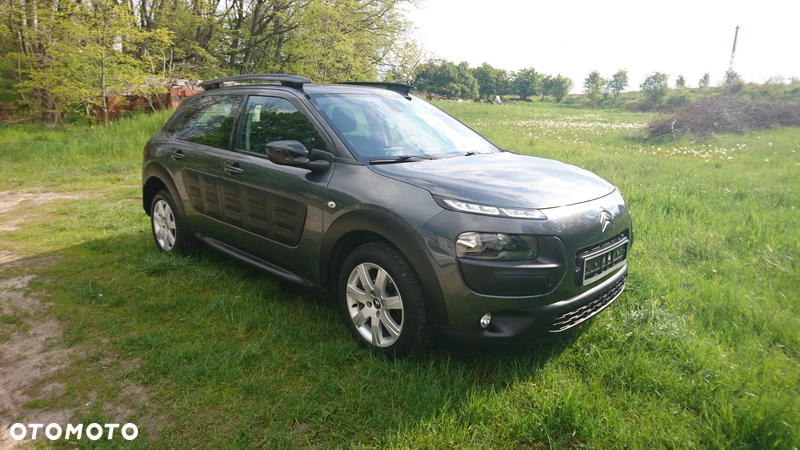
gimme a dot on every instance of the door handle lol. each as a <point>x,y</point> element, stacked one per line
<point>232,168</point>
<point>177,155</point>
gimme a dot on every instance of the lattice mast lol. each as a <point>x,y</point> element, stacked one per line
<point>729,74</point>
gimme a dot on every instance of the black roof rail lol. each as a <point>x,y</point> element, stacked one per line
<point>400,88</point>
<point>292,81</point>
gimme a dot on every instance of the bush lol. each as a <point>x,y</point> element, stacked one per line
<point>725,114</point>
<point>637,106</point>
<point>679,101</point>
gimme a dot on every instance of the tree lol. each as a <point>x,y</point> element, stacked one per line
<point>560,87</point>
<point>526,82</point>
<point>618,82</point>
<point>82,54</point>
<point>406,61</point>
<point>491,81</point>
<point>606,90</point>
<point>731,76</point>
<point>68,56</point>
<point>447,78</point>
<point>680,82</point>
<point>655,88</point>
<point>592,86</point>
<point>342,40</point>
<point>547,86</point>
<point>705,81</point>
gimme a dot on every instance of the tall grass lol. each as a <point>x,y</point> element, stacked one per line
<point>75,157</point>
<point>701,351</point>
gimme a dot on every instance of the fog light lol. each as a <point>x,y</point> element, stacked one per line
<point>486,319</point>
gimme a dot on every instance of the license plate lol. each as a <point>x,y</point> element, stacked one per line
<point>597,263</point>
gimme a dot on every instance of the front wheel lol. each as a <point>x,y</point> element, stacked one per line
<point>381,301</point>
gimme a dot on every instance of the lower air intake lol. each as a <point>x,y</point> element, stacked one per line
<point>585,312</point>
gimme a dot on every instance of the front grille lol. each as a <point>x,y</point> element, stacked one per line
<point>583,313</point>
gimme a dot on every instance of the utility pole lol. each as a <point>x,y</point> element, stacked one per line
<point>728,76</point>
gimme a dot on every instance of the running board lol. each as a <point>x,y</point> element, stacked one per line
<point>256,262</point>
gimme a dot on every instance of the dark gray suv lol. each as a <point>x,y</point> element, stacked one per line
<point>419,227</point>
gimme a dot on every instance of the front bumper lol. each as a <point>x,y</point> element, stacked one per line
<point>536,324</point>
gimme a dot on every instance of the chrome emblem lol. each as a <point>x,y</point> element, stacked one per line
<point>605,219</point>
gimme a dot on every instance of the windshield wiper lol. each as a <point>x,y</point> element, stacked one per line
<point>400,159</point>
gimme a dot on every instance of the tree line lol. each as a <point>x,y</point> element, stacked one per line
<point>460,81</point>
<point>64,55</point>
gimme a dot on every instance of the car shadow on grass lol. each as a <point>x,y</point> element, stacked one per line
<point>235,357</point>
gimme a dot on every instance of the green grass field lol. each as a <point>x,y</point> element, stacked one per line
<point>701,351</point>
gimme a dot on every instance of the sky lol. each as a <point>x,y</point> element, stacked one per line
<point>676,37</point>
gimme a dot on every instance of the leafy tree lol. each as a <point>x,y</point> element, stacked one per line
<point>705,81</point>
<point>343,40</point>
<point>592,86</point>
<point>69,55</point>
<point>491,81</point>
<point>406,61</point>
<point>559,87</point>
<point>731,76</point>
<point>680,82</point>
<point>655,88</point>
<point>82,55</point>
<point>447,78</point>
<point>606,89</point>
<point>526,82</point>
<point>547,86</point>
<point>618,82</point>
<point>733,82</point>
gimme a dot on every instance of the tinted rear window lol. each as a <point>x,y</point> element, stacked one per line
<point>208,120</point>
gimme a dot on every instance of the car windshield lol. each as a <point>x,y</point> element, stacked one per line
<point>379,128</point>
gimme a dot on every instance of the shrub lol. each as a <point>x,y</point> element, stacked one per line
<point>678,101</point>
<point>637,106</point>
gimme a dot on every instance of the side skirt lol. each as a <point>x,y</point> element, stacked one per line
<point>259,263</point>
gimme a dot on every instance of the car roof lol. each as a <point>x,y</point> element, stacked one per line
<point>312,89</point>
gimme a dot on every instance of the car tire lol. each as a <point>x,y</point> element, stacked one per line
<point>388,315</point>
<point>167,225</point>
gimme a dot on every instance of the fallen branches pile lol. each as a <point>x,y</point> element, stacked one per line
<point>725,114</point>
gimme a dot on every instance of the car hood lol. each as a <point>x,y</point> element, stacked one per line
<point>501,179</point>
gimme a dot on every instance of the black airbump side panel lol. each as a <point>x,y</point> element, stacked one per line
<point>265,213</point>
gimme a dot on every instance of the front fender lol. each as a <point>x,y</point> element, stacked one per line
<point>396,234</point>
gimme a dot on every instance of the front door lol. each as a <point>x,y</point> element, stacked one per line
<point>275,212</point>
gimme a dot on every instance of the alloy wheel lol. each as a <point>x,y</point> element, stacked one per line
<point>375,304</point>
<point>164,227</point>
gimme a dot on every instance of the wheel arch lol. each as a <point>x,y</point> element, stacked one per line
<point>361,227</point>
<point>157,178</point>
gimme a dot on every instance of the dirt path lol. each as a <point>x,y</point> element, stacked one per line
<point>31,348</point>
<point>27,355</point>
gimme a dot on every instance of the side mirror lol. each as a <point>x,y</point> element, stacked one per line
<point>287,153</point>
<point>295,154</point>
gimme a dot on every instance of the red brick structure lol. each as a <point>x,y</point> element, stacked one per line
<point>118,104</point>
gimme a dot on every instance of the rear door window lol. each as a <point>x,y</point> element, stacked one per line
<point>209,120</point>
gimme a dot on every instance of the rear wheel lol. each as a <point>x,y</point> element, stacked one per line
<point>381,301</point>
<point>167,225</point>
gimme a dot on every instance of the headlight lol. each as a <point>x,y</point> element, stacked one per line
<point>497,246</point>
<point>516,213</point>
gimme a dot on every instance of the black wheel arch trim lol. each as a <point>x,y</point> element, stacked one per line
<point>397,235</point>
<point>159,172</point>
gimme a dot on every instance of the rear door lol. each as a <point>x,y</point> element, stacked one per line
<point>274,211</point>
<point>200,134</point>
